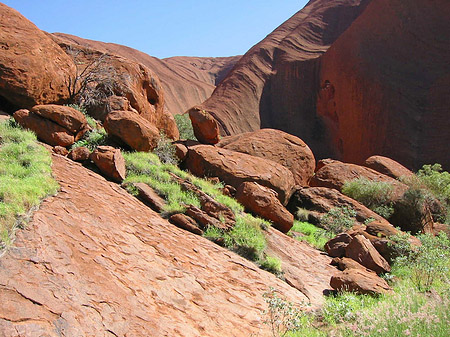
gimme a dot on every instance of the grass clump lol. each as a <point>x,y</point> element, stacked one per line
<point>376,195</point>
<point>25,176</point>
<point>146,168</point>
<point>272,264</point>
<point>92,139</point>
<point>246,238</point>
<point>315,236</point>
<point>184,125</point>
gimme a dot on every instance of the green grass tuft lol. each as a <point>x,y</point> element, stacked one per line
<point>315,236</point>
<point>25,176</point>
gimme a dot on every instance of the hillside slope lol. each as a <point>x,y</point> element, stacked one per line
<point>96,261</point>
<point>186,81</point>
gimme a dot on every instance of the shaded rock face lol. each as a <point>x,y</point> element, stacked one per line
<point>234,168</point>
<point>264,202</point>
<point>386,84</point>
<point>187,81</point>
<point>33,68</point>
<point>273,85</point>
<point>206,129</point>
<point>119,269</point>
<point>278,146</point>
<point>134,130</point>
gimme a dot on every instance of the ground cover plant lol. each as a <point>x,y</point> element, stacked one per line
<point>25,177</point>
<point>315,236</point>
<point>246,238</point>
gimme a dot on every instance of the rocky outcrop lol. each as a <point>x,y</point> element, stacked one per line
<point>356,278</point>
<point>234,168</point>
<point>278,146</point>
<point>263,202</point>
<point>79,154</point>
<point>149,197</point>
<point>33,69</point>
<point>186,81</point>
<point>96,261</point>
<point>206,129</point>
<point>388,167</point>
<point>134,130</point>
<point>110,162</point>
<point>45,129</point>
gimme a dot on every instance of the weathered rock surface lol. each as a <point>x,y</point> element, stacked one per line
<point>387,166</point>
<point>79,154</point>
<point>110,162</point>
<point>60,150</point>
<point>149,197</point>
<point>46,130</point>
<point>263,202</point>
<point>185,222</point>
<point>95,261</point>
<point>361,281</point>
<point>206,129</point>
<point>278,146</point>
<point>69,118</point>
<point>186,81</point>
<point>362,251</point>
<point>33,68</point>
<point>132,129</point>
<point>336,246</point>
<point>304,268</point>
<point>234,168</point>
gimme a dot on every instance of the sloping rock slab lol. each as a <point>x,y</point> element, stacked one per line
<point>95,261</point>
<point>387,166</point>
<point>304,267</point>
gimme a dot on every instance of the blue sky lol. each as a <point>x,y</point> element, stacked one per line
<point>164,28</point>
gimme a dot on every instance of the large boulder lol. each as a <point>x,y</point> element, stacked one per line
<point>387,166</point>
<point>234,168</point>
<point>132,129</point>
<point>362,251</point>
<point>356,278</point>
<point>46,130</point>
<point>206,129</point>
<point>263,202</point>
<point>278,146</point>
<point>110,162</point>
<point>33,68</point>
<point>69,118</point>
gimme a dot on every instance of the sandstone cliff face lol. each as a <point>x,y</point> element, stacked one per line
<point>186,81</point>
<point>386,84</point>
<point>95,261</point>
<point>351,78</point>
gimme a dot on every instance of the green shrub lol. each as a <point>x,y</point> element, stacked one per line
<point>315,236</point>
<point>376,195</point>
<point>272,264</point>
<point>185,126</point>
<point>302,214</point>
<point>339,219</point>
<point>92,139</point>
<point>25,176</point>
<point>91,121</point>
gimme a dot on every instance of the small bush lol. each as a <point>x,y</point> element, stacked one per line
<point>376,195</point>
<point>185,126</point>
<point>339,219</point>
<point>165,151</point>
<point>302,214</point>
<point>92,139</point>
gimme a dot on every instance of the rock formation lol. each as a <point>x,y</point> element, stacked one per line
<point>351,78</point>
<point>33,69</point>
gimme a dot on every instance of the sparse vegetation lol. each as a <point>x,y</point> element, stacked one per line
<point>25,177</point>
<point>272,264</point>
<point>315,236</point>
<point>92,139</point>
<point>376,195</point>
<point>165,150</point>
<point>339,219</point>
<point>185,126</point>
